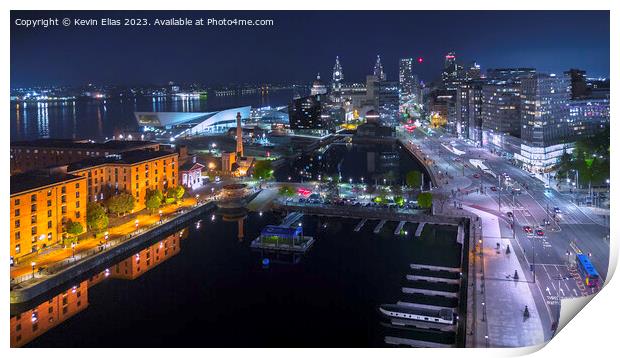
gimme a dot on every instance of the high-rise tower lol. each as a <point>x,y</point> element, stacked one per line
<point>378,70</point>
<point>239,136</point>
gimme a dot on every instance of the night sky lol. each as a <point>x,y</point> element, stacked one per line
<point>300,44</point>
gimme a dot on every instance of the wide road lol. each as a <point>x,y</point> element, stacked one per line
<point>532,204</point>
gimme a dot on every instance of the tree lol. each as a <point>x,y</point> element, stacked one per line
<point>262,170</point>
<point>154,199</point>
<point>425,200</point>
<point>74,228</point>
<point>96,218</point>
<point>176,193</point>
<point>286,190</point>
<point>121,203</point>
<point>413,178</point>
<point>399,200</point>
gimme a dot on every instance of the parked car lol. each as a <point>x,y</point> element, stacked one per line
<point>557,210</point>
<point>540,232</point>
<point>527,229</point>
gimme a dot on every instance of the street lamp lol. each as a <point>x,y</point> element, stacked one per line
<point>484,316</point>
<point>137,222</point>
<point>73,250</point>
<point>33,264</point>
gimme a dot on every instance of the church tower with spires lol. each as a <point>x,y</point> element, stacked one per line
<point>378,70</point>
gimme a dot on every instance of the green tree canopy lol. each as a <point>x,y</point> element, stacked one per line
<point>286,190</point>
<point>74,228</point>
<point>121,203</point>
<point>425,200</point>
<point>96,217</point>
<point>413,178</point>
<point>154,199</point>
<point>399,200</point>
<point>262,170</point>
<point>176,193</point>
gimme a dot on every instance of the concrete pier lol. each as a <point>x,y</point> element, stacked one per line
<point>433,279</point>
<point>415,343</point>
<point>430,292</point>
<point>399,227</point>
<point>360,225</point>
<point>435,268</point>
<point>379,226</point>
<point>291,218</point>
<point>418,231</point>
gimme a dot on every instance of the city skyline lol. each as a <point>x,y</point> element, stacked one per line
<point>104,55</point>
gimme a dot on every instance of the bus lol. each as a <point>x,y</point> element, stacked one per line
<point>587,270</point>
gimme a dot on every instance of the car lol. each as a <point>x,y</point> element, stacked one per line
<point>493,188</point>
<point>477,176</point>
<point>540,232</point>
<point>533,175</point>
<point>546,186</point>
<point>509,214</point>
<point>557,210</point>
<point>527,229</point>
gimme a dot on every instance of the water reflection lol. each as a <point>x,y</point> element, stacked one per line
<point>31,323</point>
<point>74,119</point>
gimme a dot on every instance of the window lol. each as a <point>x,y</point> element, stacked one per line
<point>77,194</point>
<point>18,235</point>
<point>18,327</point>
<point>33,219</point>
<point>33,197</point>
<point>64,210</point>
<point>63,190</point>
<point>49,224</point>
<point>50,310</point>
<point>49,192</point>
<point>77,185</point>
<point>17,201</point>
<point>16,212</point>
<point>77,214</point>
<point>18,248</point>
<point>33,207</point>
<point>77,204</point>
<point>49,213</point>
<point>16,224</point>
<point>33,230</point>
<point>49,203</point>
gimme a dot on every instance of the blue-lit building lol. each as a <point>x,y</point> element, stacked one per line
<point>181,124</point>
<point>588,116</point>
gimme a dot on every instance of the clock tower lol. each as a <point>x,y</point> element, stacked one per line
<point>337,78</point>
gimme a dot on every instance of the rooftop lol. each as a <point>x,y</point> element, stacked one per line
<point>131,157</point>
<point>28,181</point>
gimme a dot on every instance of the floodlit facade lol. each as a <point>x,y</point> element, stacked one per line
<point>41,204</point>
<point>181,124</point>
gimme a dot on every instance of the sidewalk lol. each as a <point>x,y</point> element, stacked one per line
<point>504,298</point>
<point>23,270</point>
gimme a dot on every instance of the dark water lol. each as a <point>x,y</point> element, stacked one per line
<point>371,164</point>
<point>216,292</point>
<point>99,118</point>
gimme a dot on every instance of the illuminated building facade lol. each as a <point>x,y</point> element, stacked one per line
<point>501,107</point>
<point>131,172</point>
<point>317,86</point>
<point>42,153</point>
<point>307,113</point>
<point>588,116</point>
<point>40,205</point>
